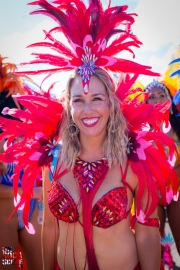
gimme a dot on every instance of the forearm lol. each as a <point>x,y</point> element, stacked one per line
<point>149,253</point>
<point>7,192</point>
<point>49,247</point>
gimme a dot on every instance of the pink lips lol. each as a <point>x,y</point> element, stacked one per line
<point>90,122</point>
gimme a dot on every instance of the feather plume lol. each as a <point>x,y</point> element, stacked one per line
<point>9,81</point>
<point>77,22</point>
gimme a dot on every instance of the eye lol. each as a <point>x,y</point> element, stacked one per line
<point>151,97</point>
<point>162,96</point>
<point>78,100</point>
<point>97,99</point>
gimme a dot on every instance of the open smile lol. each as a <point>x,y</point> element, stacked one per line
<point>90,122</point>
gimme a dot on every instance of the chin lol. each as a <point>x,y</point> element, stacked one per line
<point>92,133</point>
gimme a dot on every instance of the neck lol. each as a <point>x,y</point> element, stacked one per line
<point>92,148</point>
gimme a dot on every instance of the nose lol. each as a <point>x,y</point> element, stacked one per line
<point>159,100</point>
<point>88,107</point>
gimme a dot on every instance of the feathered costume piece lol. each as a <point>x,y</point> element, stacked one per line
<point>147,161</point>
<point>89,32</point>
<point>8,80</point>
<point>38,139</point>
<point>167,259</point>
<point>137,90</point>
<point>174,79</point>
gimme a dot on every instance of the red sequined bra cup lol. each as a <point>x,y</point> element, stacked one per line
<point>108,210</point>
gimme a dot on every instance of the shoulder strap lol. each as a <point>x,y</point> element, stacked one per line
<point>54,162</point>
<point>124,177</point>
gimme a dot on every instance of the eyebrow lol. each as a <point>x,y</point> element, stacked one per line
<point>94,95</point>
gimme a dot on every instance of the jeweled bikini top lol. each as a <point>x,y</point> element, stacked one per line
<point>110,209</point>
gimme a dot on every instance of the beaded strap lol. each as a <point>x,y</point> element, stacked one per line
<point>152,222</point>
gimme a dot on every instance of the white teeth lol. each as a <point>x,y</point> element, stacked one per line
<point>90,121</point>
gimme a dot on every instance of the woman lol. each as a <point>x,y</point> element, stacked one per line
<point>159,94</point>
<point>114,243</point>
<point>14,234</point>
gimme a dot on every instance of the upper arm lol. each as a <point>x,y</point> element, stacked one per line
<point>131,178</point>
<point>142,230</point>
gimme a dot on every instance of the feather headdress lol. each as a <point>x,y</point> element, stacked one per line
<point>169,82</point>
<point>89,32</point>
<point>9,81</point>
<point>174,74</point>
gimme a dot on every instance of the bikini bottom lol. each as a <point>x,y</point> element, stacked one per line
<point>136,268</point>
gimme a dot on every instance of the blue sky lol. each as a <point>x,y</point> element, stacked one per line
<point>157,26</point>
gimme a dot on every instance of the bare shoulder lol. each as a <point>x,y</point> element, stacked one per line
<point>45,173</point>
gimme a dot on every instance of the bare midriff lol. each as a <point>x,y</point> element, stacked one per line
<point>115,247</point>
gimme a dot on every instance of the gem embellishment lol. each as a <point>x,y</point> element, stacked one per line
<point>87,69</point>
<point>62,204</point>
<point>89,173</point>
<point>111,208</point>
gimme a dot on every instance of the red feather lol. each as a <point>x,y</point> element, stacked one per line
<point>46,122</point>
<point>155,174</point>
<point>76,22</point>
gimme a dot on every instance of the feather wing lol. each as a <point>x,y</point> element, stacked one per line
<point>155,174</point>
<point>34,151</point>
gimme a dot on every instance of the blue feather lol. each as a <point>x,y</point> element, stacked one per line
<point>167,240</point>
<point>176,98</point>
<point>177,72</point>
<point>175,61</point>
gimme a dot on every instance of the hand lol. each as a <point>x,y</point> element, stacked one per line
<point>38,193</point>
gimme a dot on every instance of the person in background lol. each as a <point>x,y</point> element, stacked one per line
<point>159,93</point>
<point>13,234</point>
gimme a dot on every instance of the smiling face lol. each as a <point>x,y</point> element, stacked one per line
<point>90,111</point>
<point>157,96</point>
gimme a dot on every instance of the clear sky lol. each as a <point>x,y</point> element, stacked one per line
<point>157,26</point>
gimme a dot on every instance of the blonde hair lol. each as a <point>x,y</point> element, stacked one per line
<point>116,139</point>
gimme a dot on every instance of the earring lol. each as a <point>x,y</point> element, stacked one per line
<point>73,130</point>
